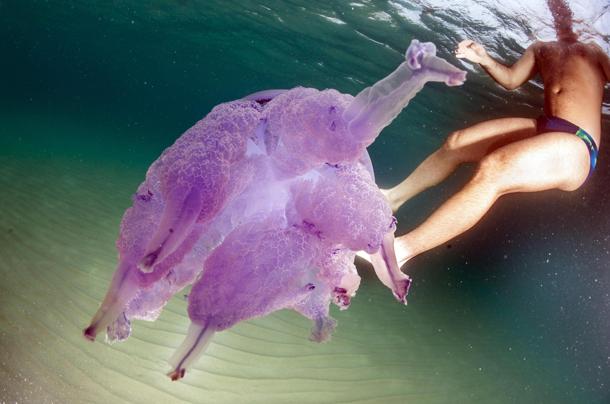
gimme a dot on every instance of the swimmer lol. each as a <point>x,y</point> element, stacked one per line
<point>556,151</point>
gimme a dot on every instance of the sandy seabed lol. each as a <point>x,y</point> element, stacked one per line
<point>58,222</point>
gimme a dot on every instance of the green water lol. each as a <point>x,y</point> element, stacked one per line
<point>92,92</point>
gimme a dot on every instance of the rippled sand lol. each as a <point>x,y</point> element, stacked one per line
<point>57,229</point>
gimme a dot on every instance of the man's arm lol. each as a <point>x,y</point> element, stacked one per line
<point>508,77</point>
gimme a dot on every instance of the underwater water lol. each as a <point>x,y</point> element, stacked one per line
<point>516,310</point>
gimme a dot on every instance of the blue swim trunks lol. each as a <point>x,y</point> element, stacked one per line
<point>546,124</point>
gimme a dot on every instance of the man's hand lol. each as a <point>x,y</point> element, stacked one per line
<point>508,77</point>
<point>472,51</point>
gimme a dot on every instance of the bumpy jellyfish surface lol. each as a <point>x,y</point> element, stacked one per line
<point>262,205</point>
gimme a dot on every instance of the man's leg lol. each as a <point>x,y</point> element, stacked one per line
<point>551,160</point>
<point>462,146</point>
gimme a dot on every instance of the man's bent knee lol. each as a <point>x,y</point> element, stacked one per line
<point>490,169</point>
<point>453,148</point>
<point>453,141</point>
<point>460,146</point>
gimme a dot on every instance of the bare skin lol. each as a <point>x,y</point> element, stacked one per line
<point>511,157</point>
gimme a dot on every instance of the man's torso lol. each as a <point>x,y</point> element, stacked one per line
<point>573,83</point>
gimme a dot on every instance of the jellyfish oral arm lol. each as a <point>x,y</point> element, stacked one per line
<point>437,69</point>
<point>120,292</point>
<point>176,224</point>
<point>197,339</point>
<point>376,107</point>
<point>387,269</point>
